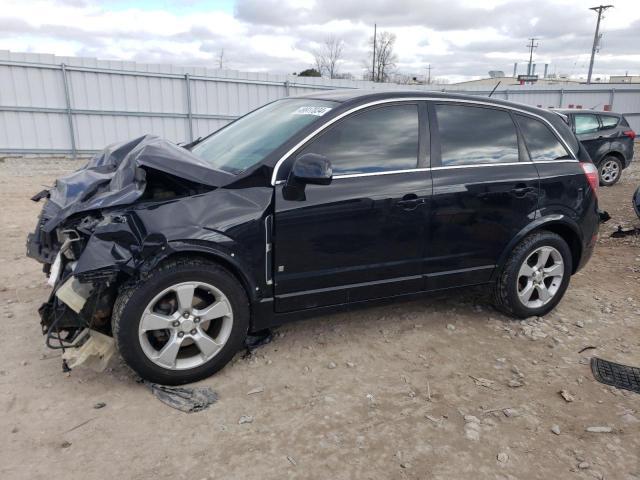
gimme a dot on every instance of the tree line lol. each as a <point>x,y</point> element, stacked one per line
<point>379,66</point>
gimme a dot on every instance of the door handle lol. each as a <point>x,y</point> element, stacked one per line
<point>410,202</point>
<point>522,190</point>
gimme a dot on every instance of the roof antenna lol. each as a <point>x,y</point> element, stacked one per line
<point>494,88</point>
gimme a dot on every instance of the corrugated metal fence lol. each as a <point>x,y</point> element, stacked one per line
<point>74,105</point>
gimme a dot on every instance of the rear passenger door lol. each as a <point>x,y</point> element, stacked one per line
<point>484,192</point>
<point>587,128</point>
<point>562,187</point>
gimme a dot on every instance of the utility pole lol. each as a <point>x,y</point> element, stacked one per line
<point>429,74</point>
<point>532,45</point>
<point>596,37</point>
<point>373,61</point>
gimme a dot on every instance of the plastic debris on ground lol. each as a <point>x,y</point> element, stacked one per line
<point>615,374</point>
<point>185,399</point>
<point>257,339</point>
<point>95,353</point>
<point>625,232</point>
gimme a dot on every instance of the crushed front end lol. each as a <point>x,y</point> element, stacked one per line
<point>105,224</point>
<point>85,258</point>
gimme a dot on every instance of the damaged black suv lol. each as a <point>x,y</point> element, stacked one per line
<point>307,205</point>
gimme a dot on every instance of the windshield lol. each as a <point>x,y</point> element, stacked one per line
<point>248,140</point>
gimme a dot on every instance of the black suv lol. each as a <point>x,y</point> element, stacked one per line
<point>607,137</point>
<point>307,205</point>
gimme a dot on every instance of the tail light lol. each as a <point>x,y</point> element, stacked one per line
<point>591,172</point>
<point>630,133</point>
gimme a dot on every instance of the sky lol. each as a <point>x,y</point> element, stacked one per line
<point>460,39</point>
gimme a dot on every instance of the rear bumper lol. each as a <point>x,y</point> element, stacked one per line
<point>587,252</point>
<point>591,238</point>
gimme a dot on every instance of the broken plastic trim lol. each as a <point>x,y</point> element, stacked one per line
<point>625,232</point>
<point>616,374</point>
<point>257,339</point>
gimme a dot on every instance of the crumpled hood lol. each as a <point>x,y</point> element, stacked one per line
<point>115,177</point>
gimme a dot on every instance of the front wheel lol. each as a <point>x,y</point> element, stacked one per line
<point>181,323</point>
<point>535,277</point>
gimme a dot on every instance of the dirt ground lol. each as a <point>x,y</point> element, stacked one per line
<point>440,388</point>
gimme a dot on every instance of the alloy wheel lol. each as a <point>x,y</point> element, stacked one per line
<point>609,171</point>
<point>185,325</point>
<point>540,277</point>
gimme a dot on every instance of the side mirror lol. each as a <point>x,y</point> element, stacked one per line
<point>311,168</point>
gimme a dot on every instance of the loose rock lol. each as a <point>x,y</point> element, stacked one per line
<point>331,365</point>
<point>556,429</point>
<point>245,419</point>
<point>568,397</point>
<point>599,429</point>
<point>502,457</point>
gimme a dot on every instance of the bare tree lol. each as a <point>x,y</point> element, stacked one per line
<point>326,59</point>
<point>385,58</point>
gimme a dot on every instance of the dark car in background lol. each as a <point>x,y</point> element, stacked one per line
<point>607,137</point>
<point>307,205</point>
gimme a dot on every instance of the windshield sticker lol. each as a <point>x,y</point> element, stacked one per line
<point>317,111</point>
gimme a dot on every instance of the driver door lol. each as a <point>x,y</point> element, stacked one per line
<point>362,236</point>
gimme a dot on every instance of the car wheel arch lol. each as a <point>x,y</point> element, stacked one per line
<point>613,153</point>
<point>212,254</point>
<point>559,224</point>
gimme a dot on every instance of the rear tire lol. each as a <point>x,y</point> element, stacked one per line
<point>609,170</point>
<point>182,322</point>
<point>535,276</point>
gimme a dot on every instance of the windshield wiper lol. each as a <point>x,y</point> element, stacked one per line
<point>190,145</point>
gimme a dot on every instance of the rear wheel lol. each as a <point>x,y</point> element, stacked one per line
<point>182,322</point>
<point>610,170</point>
<point>535,277</point>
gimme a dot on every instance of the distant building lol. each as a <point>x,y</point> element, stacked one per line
<point>506,81</point>
<point>624,79</point>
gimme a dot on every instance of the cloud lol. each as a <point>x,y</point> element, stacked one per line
<point>459,38</point>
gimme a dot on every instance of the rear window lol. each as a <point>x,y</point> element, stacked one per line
<point>586,123</point>
<point>475,135</point>
<point>609,121</point>
<point>542,144</point>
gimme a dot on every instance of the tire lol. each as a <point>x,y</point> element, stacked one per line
<point>139,329</point>
<point>512,283</point>
<point>610,170</point>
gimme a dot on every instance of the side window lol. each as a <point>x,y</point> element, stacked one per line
<point>475,135</point>
<point>543,145</point>
<point>586,123</point>
<point>609,121</point>
<point>376,140</point>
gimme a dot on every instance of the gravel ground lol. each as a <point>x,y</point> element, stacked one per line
<point>440,388</point>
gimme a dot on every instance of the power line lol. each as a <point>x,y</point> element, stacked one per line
<point>596,37</point>
<point>532,45</point>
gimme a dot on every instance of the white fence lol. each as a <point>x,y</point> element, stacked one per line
<point>73,105</point>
